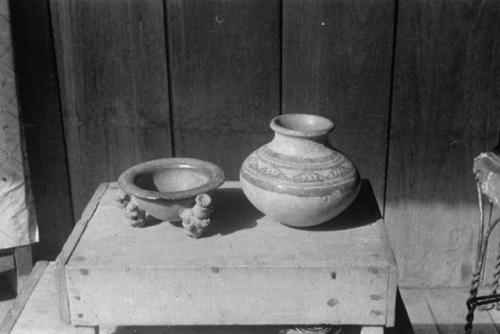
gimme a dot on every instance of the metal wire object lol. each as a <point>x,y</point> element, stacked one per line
<point>487,174</point>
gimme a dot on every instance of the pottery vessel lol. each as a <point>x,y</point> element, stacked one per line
<point>298,179</point>
<point>164,187</point>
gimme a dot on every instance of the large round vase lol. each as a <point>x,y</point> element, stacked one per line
<point>297,178</point>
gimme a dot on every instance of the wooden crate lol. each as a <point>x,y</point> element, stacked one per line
<point>247,270</point>
<point>34,310</point>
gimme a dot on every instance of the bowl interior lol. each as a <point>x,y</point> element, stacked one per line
<point>169,180</point>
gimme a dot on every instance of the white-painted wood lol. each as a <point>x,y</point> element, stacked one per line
<point>69,247</point>
<point>246,270</point>
<point>39,313</point>
<point>21,299</point>
<point>372,330</point>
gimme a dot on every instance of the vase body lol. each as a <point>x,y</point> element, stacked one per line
<point>297,178</point>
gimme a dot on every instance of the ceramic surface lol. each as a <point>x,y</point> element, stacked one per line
<point>164,187</point>
<point>297,178</point>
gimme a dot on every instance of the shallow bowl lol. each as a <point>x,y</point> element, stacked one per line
<point>165,186</point>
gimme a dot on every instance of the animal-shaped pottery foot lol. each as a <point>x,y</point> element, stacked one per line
<point>196,220</point>
<point>136,217</point>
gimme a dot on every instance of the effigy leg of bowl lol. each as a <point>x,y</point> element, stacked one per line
<point>136,216</point>
<point>197,219</point>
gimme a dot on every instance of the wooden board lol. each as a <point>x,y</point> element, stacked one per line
<point>112,67</point>
<point>41,119</point>
<point>337,58</point>
<point>7,263</point>
<point>225,77</point>
<point>244,270</point>
<point>24,265</point>
<point>35,310</point>
<point>69,247</point>
<point>443,311</point>
<point>419,312</point>
<point>19,303</point>
<point>446,97</point>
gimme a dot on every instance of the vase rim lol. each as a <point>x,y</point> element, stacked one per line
<point>301,125</point>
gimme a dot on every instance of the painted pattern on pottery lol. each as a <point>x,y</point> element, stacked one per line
<point>300,176</point>
<point>298,179</point>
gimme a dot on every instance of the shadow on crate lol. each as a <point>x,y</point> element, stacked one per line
<point>364,210</point>
<point>230,206</point>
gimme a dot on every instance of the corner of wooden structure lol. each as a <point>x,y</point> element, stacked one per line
<point>69,247</point>
<point>22,298</point>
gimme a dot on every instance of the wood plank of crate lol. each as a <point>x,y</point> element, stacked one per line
<point>445,111</point>
<point>112,66</point>
<point>158,276</point>
<point>34,310</point>
<point>17,307</point>
<point>337,58</point>
<point>67,250</point>
<point>225,74</point>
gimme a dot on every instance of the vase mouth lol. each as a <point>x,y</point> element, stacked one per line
<point>301,125</point>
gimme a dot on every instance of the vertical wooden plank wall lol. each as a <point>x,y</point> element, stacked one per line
<point>41,119</point>
<point>112,67</point>
<point>337,57</point>
<point>446,111</point>
<point>215,72</point>
<point>225,75</point>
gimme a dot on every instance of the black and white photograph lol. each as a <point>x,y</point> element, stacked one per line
<point>249,166</point>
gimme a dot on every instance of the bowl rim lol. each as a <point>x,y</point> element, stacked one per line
<point>215,174</point>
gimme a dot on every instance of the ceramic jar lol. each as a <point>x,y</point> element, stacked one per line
<point>298,179</point>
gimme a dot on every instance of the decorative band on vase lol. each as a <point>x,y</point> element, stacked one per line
<point>299,190</point>
<point>291,175</point>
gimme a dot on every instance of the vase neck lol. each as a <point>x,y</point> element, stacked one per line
<point>300,146</point>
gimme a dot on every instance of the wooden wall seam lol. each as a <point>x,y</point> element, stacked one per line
<point>446,100</point>
<point>225,77</point>
<point>169,78</point>
<point>389,117</point>
<point>337,63</point>
<point>112,63</point>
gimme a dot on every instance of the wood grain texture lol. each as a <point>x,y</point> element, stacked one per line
<point>337,58</point>
<point>446,98</point>
<point>245,270</point>
<point>39,312</point>
<point>113,76</point>
<point>225,63</point>
<point>40,115</point>
<point>67,250</point>
<point>19,303</point>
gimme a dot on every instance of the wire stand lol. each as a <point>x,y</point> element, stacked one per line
<point>486,301</point>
